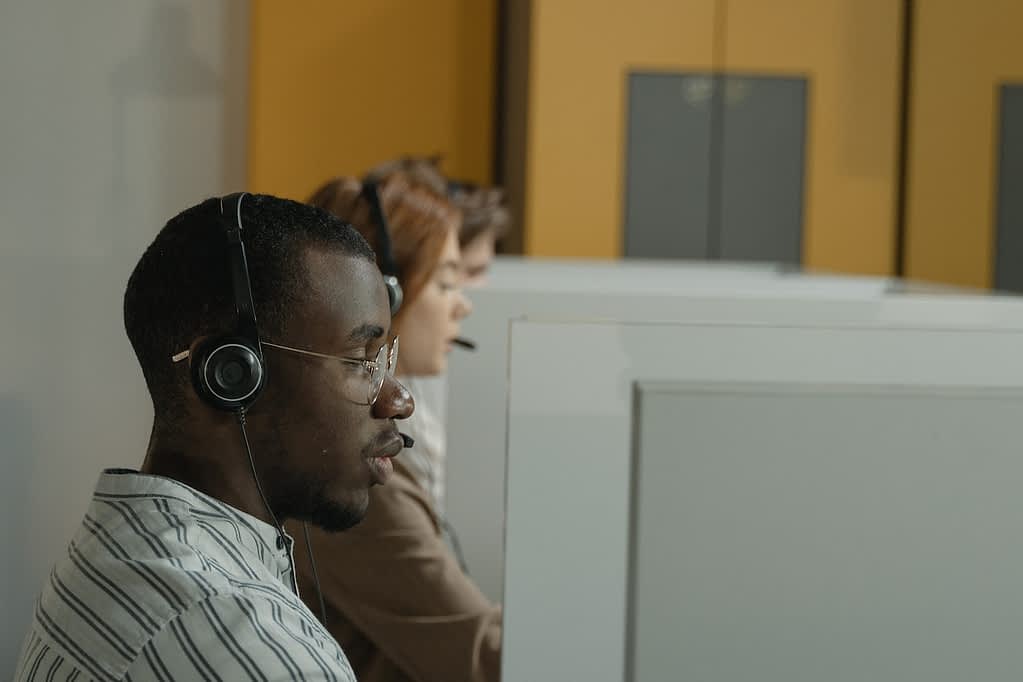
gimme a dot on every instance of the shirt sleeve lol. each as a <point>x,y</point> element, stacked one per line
<point>395,580</point>
<point>241,636</point>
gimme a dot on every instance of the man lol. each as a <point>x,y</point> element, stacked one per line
<point>180,571</point>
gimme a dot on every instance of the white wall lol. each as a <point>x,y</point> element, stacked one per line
<point>116,114</point>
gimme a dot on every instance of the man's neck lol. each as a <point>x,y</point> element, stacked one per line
<point>215,464</point>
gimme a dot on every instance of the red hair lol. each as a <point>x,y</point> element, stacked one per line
<point>484,209</point>
<point>419,221</point>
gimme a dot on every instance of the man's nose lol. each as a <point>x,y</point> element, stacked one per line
<point>394,401</point>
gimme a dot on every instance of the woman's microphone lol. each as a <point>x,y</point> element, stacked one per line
<point>407,441</point>
<point>464,343</point>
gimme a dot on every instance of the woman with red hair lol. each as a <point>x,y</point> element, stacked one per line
<point>395,596</point>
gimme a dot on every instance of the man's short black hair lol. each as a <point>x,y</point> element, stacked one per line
<point>181,287</point>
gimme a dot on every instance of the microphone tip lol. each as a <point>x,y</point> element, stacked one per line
<point>407,441</point>
<point>465,343</point>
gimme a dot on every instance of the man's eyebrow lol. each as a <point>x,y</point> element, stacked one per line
<point>366,332</point>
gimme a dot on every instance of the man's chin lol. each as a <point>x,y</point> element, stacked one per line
<point>334,517</point>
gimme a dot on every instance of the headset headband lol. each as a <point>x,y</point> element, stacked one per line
<point>231,214</point>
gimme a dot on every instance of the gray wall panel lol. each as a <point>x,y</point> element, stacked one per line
<point>668,159</point>
<point>1009,199</point>
<point>715,166</point>
<point>825,532</point>
<point>762,167</point>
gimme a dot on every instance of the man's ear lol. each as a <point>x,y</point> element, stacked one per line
<point>191,397</point>
<point>193,402</point>
<point>189,352</point>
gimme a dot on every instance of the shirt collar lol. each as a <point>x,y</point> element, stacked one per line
<point>258,537</point>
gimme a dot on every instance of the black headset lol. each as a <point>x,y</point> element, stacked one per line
<point>227,370</point>
<point>395,296</point>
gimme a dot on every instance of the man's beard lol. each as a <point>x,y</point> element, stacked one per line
<point>306,499</point>
<point>302,495</point>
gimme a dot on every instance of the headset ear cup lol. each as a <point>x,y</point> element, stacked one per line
<point>395,295</point>
<point>227,373</point>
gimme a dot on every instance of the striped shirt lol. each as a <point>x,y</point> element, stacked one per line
<point>162,582</point>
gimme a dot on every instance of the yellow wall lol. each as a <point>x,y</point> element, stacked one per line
<point>850,52</point>
<point>336,87</point>
<point>962,52</point>
<point>583,49</point>
<point>580,53</point>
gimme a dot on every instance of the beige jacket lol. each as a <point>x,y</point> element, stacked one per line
<point>397,601</point>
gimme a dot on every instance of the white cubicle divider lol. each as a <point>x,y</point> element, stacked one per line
<point>787,500</point>
<point>624,290</point>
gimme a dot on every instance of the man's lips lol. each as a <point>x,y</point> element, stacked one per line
<point>390,447</point>
<point>379,461</point>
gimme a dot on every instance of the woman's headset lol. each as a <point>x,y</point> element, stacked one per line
<point>395,296</point>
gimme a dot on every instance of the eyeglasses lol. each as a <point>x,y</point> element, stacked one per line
<point>358,385</point>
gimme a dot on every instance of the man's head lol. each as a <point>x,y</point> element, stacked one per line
<point>315,287</point>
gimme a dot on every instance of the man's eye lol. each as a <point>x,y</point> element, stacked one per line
<point>447,286</point>
<point>363,368</point>
<point>360,368</point>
